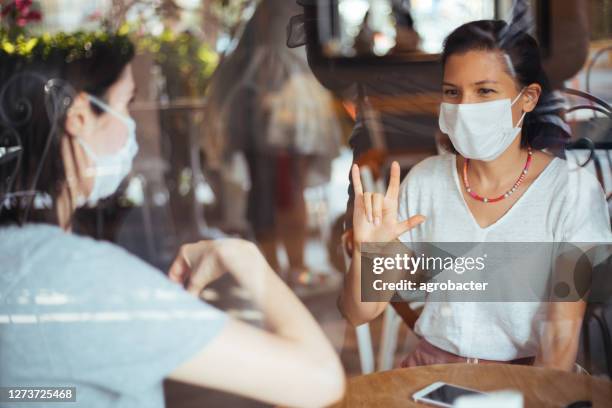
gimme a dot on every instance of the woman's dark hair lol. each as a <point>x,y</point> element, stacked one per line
<point>37,87</point>
<point>544,127</point>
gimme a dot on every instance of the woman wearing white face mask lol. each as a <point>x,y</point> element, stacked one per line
<point>498,187</point>
<point>110,168</point>
<point>79,313</point>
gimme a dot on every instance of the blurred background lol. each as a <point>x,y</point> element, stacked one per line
<point>243,131</point>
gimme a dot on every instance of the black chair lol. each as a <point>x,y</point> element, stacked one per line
<point>595,352</point>
<point>596,340</point>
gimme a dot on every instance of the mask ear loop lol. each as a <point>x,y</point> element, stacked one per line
<point>129,122</point>
<point>517,97</point>
<point>524,113</point>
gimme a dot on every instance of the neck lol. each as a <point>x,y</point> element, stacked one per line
<point>65,209</point>
<point>496,173</point>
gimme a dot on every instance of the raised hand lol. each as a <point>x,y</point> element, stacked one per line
<point>375,217</point>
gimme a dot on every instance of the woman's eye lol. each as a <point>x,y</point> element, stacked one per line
<point>486,91</point>
<point>450,92</point>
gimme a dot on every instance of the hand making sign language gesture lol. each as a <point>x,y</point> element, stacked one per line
<point>375,219</point>
<point>375,215</point>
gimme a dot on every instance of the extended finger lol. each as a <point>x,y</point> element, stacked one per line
<point>377,208</point>
<point>356,180</point>
<point>409,224</point>
<point>367,202</point>
<point>394,181</point>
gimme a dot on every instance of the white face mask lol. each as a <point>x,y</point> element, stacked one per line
<point>109,170</point>
<point>480,131</point>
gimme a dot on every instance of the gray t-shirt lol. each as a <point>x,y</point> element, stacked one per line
<point>76,312</point>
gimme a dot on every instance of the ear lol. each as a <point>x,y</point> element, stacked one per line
<point>79,116</point>
<point>530,97</point>
<point>74,157</point>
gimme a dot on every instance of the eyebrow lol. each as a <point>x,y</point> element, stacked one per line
<point>485,81</point>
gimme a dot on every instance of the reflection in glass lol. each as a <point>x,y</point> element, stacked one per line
<point>358,28</point>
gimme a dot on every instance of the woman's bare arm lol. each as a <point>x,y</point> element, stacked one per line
<point>374,221</point>
<point>294,364</point>
<point>561,335</point>
<point>350,304</point>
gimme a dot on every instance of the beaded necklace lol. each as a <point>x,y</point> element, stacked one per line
<point>507,193</point>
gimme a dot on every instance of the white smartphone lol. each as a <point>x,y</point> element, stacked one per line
<point>442,394</point>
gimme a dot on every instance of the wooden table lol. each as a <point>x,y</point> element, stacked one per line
<point>540,387</point>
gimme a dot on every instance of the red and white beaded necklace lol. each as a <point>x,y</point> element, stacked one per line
<point>507,193</point>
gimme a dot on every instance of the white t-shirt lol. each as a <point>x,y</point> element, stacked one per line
<point>562,205</point>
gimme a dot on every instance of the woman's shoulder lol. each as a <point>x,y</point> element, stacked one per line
<point>572,177</point>
<point>48,247</point>
<point>37,238</point>
<point>51,237</point>
<point>586,211</point>
<point>110,259</point>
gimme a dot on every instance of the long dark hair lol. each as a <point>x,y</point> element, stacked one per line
<point>544,127</point>
<point>36,90</point>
